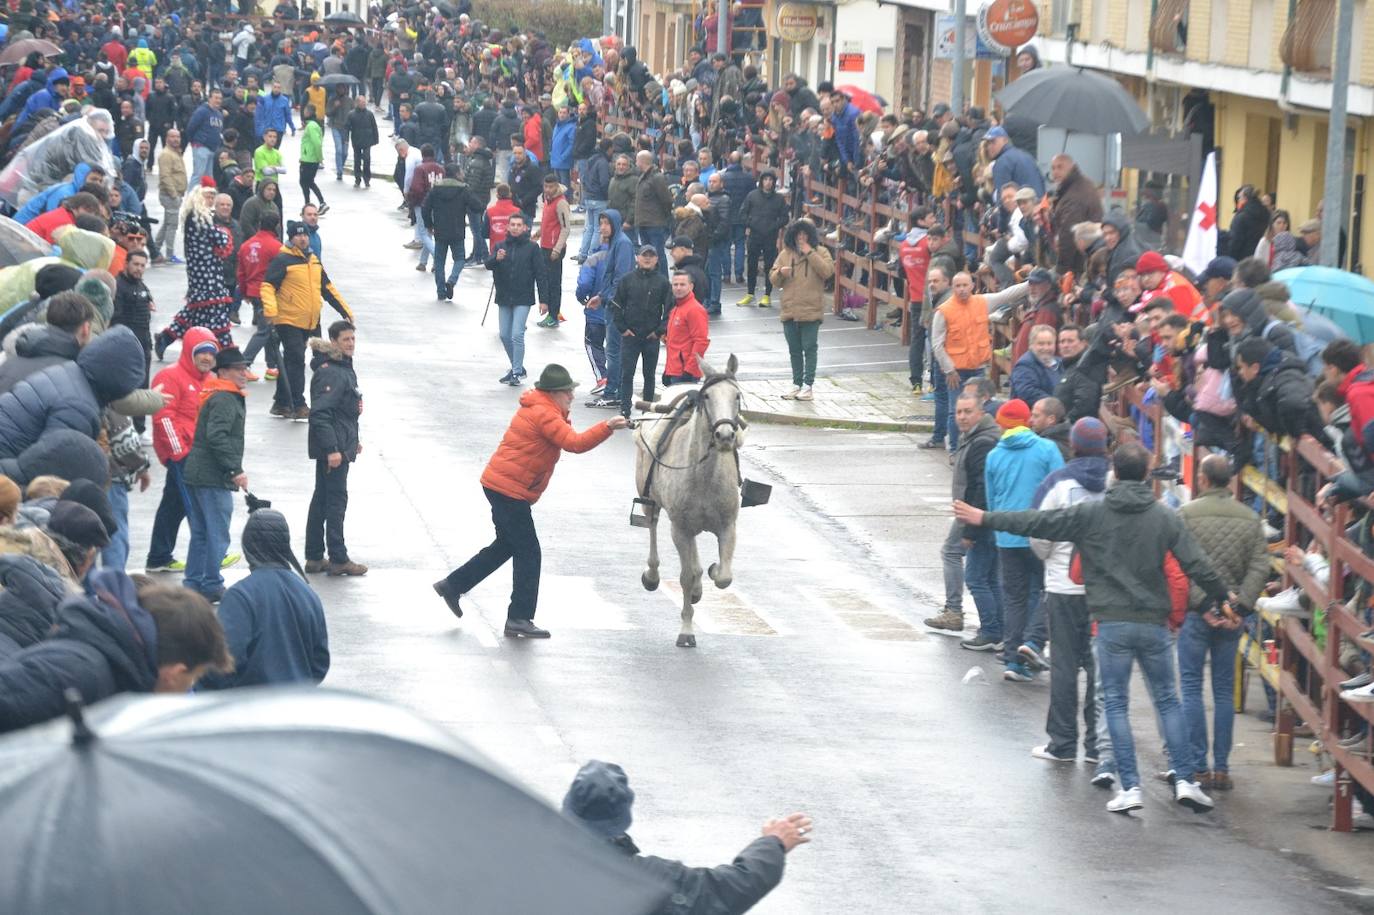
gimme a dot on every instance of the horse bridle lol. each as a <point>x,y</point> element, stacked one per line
<point>690,401</point>
<point>695,398</point>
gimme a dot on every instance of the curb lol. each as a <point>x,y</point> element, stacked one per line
<point>822,422</point>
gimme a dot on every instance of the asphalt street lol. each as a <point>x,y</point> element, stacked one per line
<point>815,686</point>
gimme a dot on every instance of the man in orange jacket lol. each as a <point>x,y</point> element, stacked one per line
<point>515,478</point>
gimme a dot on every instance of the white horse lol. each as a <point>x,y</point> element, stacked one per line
<point>687,464</point>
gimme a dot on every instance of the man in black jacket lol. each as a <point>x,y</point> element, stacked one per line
<point>432,119</point>
<point>526,181</point>
<point>161,110</point>
<point>1248,225</point>
<point>764,215</point>
<point>336,405</point>
<point>1277,394</point>
<point>601,800</point>
<point>445,214</point>
<point>479,171</point>
<point>363,133</point>
<point>517,266</point>
<point>133,303</point>
<point>640,312</point>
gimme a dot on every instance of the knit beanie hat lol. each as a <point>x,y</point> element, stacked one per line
<point>1088,437</point>
<point>1013,413</point>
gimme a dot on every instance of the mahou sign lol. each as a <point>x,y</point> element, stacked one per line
<point>1005,25</point>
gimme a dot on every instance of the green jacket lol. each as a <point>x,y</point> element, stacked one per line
<point>1232,536</point>
<point>312,143</point>
<point>1123,540</point>
<point>265,157</point>
<point>217,450</point>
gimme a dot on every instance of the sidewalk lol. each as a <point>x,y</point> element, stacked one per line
<point>879,401</point>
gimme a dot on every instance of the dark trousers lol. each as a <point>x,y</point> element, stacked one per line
<point>1023,619</point>
<point>516,540</point>
<point>442,248</point>
<point>479,234</point>
<point>594,339</point>
<point>916,355</point>
<point>264,339</point>
<point>551,292</point>
<point>171,511</point>
<point>658,237</point>
<point>325,520</point>
<point>308,172</point>
<point>156,132</point>
<point>362,164</point>
<point>376,90</point>
<point>633,350</point>
<point>767,249</point>
<point>1071,630</point>
<point>291,380</point>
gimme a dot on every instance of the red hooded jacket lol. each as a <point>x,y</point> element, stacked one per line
<point>174,427</point>
<point>257,252</point>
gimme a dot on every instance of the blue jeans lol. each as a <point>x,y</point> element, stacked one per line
<point>513,334</point>
<point>980,577</point>
<point>442,247</point>
<point>116,555</point>
<point>945,427</point>
<point>1118,647</point>
<point>591,232</point>
<point>423,236</point>
<point>612,362</point>
<point>717,268</point>
<point>340,149</point>
<point>658,237</point>
<point>478,231</point>
<point>1196,640</point>
<point>208,509</point>
<point>202,163</point>
<point>170,512</point>
<point>739,245</point>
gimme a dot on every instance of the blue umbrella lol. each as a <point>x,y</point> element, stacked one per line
<point>1346,298</point>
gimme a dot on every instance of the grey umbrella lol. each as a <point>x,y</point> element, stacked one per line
<point>345,17</point>
<point>1074,99</point>
<point>284,801</point>
<point>338,79</point>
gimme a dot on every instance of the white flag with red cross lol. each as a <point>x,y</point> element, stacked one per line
<point>1201,244</point>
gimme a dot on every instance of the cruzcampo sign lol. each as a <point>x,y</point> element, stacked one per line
<point>1005,25</point>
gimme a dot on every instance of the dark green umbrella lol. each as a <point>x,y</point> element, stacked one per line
<point>284,800</point>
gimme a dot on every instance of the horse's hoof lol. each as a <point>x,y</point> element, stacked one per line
<point>721,583</point>
<point>650,582</point>
<point>696,594</point>
<point>686,641</point>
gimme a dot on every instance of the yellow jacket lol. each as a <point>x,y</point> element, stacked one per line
<point>292,289</point>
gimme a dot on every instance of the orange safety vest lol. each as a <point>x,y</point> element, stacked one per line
<point>968,338</point>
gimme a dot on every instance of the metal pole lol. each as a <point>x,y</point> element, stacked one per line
<point>608,17</point>
<point>723,12</point>
<point>1333,193</point>
<point>956,83</point>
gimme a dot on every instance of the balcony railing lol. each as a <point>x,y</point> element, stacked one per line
<point>1306,45</point>
<point>1169,27</point>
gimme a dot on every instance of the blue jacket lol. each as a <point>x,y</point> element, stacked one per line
<point>620,260</point>
<point>14,102</point>
<point>273,112</point>
<point>43,98</point>
<point>274,626</point>
<point>105,643</point>
<point>589,279</point>
<point>53,196</point>
<point>316,245</point>
<point>205,127</point>
<point>1032,380</point>
<point>561,147</point>
<point>847,133</point>
<point>71,395</point>
<point>1013,472</point>
<point>1016,166</point>
<point>737,183</point>
<point>596,183</point>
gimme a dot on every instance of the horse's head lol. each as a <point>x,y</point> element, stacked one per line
<point>721,403</point>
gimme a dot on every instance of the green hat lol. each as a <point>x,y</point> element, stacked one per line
<point>555,378</point>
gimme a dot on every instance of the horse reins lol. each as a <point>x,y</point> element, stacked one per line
<point>690,400</point>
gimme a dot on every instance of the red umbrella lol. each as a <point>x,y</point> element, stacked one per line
<point>863,99</point>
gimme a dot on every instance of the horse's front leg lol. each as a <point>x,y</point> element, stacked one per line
<point>723,573</point>
<point>690,580</point>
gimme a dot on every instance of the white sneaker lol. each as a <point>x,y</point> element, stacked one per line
<point>792,394</point>
<point>1126,800</point>
<point>1326,780</point>
<point>1190,795</point>
<point>805,393</point>
<point>1285,602</point>
<point>1104,780</point>
<point>1043,752</point>
<point>1363,694</point>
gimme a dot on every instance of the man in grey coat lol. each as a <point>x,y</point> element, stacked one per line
<point>601,800</point>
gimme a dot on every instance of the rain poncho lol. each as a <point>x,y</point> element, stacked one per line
<point>80,248</point>
<point>54,158</point>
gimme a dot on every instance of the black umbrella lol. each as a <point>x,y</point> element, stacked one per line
<point>448,9</point>
<point>347,17</point>
<point>1074,99</point>
<point>337,79</point>
<point>284,800</point>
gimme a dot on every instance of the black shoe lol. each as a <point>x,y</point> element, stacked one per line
<point>448,287</point>
<point>441,589</point>
<point>524,629</point>
<point>932,444</point>
<point>160,344</point>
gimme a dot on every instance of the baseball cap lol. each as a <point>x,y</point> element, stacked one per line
<point>648,249</point>
<point>1040,275</point>
<point>995,133</point>
<point>1219,268</point>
